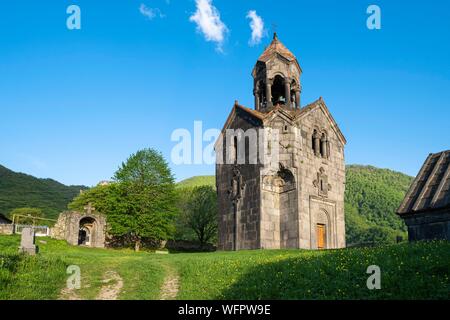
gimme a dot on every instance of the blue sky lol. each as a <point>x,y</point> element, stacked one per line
<point>74,104</point>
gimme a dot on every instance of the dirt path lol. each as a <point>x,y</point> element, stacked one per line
<point>68,294</point>
<point>113,284</point>
<point>171,285</point>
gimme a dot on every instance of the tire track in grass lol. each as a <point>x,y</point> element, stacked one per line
<point>113,284</point>
<point>171,285</point>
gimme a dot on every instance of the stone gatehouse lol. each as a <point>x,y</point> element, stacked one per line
<point>81,228</point>
<point>296,201</point>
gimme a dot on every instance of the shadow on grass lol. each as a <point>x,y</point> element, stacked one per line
<point>419,271</point>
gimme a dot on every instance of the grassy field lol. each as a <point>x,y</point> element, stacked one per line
<point>419,271</point>
<point>47,273</point>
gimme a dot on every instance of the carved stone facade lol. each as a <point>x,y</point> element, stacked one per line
<point>293,200</point>
<point>81,228</point>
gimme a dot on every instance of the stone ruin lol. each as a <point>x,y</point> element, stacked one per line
<point>81,228</point>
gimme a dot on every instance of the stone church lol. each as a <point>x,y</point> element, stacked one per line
<point>296,198</point>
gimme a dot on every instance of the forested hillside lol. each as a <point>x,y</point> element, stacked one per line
<point>371,198</point>
<point>19,190</point>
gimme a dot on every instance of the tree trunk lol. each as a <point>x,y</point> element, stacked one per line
<point>137,245</point>
<point>202,239</point>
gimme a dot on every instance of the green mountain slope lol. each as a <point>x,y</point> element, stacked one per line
<point>372,196</point>
<point>19,190</point>
<point>198,181</point>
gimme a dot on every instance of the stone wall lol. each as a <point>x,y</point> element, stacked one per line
<point>7,229</point>
<point>283,201</point>
<point>280,192</point>
<point>428,226</point>
<point>68,225</point>
<point>314,168</point>
<point>227,175</point>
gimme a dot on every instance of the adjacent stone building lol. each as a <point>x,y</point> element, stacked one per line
<point>6,226</point>
<point>426,207</point>
<point>4,219</point>
<point>294,198</point>
<point>81,228</point>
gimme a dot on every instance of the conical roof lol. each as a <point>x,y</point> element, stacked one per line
<point>276,47</point>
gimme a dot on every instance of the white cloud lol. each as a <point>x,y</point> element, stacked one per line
<point>150,13</point>
<point>257,26</point>
<point>207,18</point>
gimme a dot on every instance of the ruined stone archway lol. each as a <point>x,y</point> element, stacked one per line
<point>81,229</point>
<point>87,231</point>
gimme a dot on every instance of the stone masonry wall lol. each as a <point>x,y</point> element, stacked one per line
<point>7,229</point>
<point>68,225</point>
<point>312,203</point>
<point>248,204</point>
<point>283,201</point>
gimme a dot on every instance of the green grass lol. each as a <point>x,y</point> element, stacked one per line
<point>408,271</point>
<point>44,276</point>
<point>419,271</point>
<point>30,278</point>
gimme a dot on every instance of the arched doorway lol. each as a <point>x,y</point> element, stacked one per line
<point>86,232</point>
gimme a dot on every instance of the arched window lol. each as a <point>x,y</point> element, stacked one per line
<point>294,102</point>
<point>262,94</point>
<point>278,92</point>
<point>324,147</point>
<point>315,142</point>
<point>235,149</point>
<point>323,141</point>
<point>312,140</point>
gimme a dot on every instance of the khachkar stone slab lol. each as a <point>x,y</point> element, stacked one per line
<point>27,242</point>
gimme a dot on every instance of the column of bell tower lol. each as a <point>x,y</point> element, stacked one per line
<point>277,78</point>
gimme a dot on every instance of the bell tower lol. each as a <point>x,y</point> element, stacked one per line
<point>276,77</point>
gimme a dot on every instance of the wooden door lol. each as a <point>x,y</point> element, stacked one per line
<point>321,236</point>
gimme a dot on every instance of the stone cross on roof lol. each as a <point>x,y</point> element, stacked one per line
<point>89,208</point>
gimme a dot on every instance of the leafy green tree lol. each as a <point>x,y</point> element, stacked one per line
<point>141,203</point>
<point>199,212</point>
<point>147,183</point>
<point>372,196</point>
<point>108,199</point>
<point>378,235</point>
<point>182,230</point>
<point>26,215</point>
